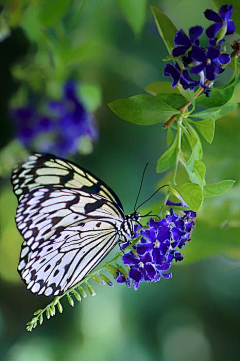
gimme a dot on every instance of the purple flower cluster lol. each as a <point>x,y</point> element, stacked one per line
<point>160,244</point>
<point>203,63</point>
<point>60,127</point>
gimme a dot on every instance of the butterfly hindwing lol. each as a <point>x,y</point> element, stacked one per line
<point>66,232</point>
<point>42,170</point>
<point>67,257</point>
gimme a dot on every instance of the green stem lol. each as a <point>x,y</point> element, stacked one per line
<point>179,143</point>
<point>175,167</point>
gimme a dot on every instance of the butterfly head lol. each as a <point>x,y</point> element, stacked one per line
<point>130,221</point>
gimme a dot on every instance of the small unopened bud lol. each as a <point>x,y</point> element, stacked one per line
<point>48,313</point>
<point>122,270</point>
<point>98,280</point>
<point>60,307</point>
<point>77,295</point>
<point>106,279</point>
<point>90,289</point>
<point>52,310</point>
<point>113,270</point>
<point>82,291</point>
<point>41,319</point>
<point>70,300</point>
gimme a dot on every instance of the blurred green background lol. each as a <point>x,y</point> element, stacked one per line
<point>194,316</point>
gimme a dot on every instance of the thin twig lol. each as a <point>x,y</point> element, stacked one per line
<point>182,109</point>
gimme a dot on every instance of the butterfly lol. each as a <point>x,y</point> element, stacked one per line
<point>69,220</point>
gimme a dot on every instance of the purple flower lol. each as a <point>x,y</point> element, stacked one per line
<point>160,244</point>
<point>220,19</point>
<point>183,42</point>
<point>61,127</point>
<point>180,76</point>
<point>210,61</point>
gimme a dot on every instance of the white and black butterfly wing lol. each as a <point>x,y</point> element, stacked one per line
<point>66,232</point>
<point>66,258</point>
<point>42,170</point>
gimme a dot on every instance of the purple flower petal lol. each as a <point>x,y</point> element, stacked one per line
<point>230,27</point>
<point>213,53</point>
<point>177,234</point>
<point>180,50</point>
<point>212,15</point>
<point>164,267</point>
<point>120,278</point>
<point>166,275</point>
<point>213,29</point>
<point>198,54</point>
<point>195,32</point>
<point>135,285</point>
<point>197,69</point>
<point>153,224</point>
<point>130,259</point>
<point>210,72</point>
<point>124,245</point>
<point>226,11</point>
<point>135,274</point>
<point>163,234</point>
<point>191,83</point>
<point>182,39</point>
<point>170,203</point>
<point>146,258</point>
<point>143,248</point>
<point>158,258</point>
<point>150,271</point>
<point>150,234</point>
<point>224,59</point>
<point>172,71</point>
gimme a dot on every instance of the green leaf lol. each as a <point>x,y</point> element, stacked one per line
<point>168,158</point>
<point>166,28</point>
<point>187,94</point>
<point>169,136</point>
<point>191,193</point>
<point>217,98</point>
<point>197,175</point>
<point>31,24</point>
<point>52,11</point>
<point>236,11</point>
<point>174,100</point>
<point>161,87</point>
<point>135,13</point>
<point>193,137</point>
<point>142,109</point>
<point>91,95</point>
<point>215,113</point>
<point>194,156</point>
<point>73,54</point>
<point>207,128</point>
<point>232,82</point>
<point>216,189</point>
<point>200,169</point>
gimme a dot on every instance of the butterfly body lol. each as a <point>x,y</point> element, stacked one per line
<point>69,219</point>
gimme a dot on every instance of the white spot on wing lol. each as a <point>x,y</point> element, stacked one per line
<point>47,180</point>
<point>35,288</point>
<point>24,251</point>
<point>48,291</point>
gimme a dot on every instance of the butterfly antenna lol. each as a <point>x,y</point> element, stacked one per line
<point>135,205</point>
<point>165,185</point>
<point>150,213</point>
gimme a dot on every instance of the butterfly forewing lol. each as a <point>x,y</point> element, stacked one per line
<point>47,170</point>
